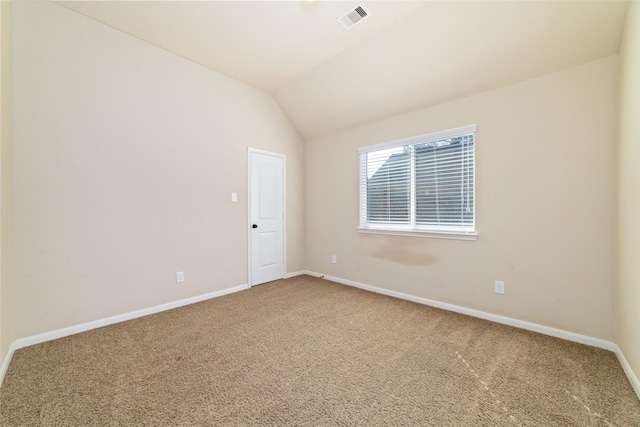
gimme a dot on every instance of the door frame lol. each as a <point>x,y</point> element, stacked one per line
<point>284,210</point>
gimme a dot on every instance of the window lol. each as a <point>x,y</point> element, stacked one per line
<point>420,186</point>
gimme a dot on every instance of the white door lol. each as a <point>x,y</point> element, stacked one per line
<point>266,216</point>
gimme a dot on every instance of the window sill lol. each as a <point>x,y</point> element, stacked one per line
<point>452,235</point>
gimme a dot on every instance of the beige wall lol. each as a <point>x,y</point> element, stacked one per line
<point>545,204</point>
<point>125,158</point>
<point>628,201</point>
<point>6,209</point>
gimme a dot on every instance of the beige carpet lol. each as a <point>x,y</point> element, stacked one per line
<point>308,352</point>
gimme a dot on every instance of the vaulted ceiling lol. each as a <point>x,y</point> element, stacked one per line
<point>404,56</point>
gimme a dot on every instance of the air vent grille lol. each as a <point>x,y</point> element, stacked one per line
<point>354,16</point>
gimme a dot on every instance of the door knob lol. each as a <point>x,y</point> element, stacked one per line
<point>254,226</point>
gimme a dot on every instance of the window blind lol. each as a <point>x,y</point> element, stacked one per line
<point>422,183</point>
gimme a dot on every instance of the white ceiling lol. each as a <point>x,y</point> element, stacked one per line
<point>406,55</point>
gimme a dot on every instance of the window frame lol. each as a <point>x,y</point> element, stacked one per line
<point>431,231</point>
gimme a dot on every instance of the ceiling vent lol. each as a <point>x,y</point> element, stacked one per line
<point>354,16</point>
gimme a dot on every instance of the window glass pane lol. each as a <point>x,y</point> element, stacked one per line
<point>444,182</point>
<point>389,186</point>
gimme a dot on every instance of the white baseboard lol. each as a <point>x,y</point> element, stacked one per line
<point>59,333</point>
<point>294,274</point>
<point>633,379</point>
<point>7,360</point>
<point>546,330</point>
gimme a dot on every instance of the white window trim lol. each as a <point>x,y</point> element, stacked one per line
<point>413,232</point>
<point>409,229</point>
<point>434,136</point>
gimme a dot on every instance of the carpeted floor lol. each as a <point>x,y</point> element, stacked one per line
<point>308,352</point>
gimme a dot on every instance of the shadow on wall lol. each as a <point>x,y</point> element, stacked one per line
<point>401,250</point>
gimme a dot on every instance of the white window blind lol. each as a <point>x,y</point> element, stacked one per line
<point>421,184</point>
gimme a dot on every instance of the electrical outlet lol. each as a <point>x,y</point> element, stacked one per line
<point>180,277</point>
<point>334,259</point>
<point>499,287</point>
